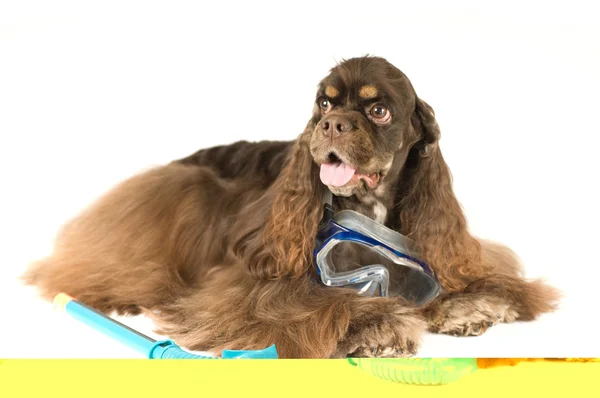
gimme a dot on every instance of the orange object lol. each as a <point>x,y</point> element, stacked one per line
<point>483,363</point>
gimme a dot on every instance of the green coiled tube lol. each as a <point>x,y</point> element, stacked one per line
<point>417,371</point>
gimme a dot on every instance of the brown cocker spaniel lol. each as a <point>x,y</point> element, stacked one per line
<point>217,247</point>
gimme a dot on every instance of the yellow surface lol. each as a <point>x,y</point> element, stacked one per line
<point>61,300</point>
<point>278,378</point>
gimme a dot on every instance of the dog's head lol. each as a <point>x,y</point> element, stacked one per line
<point>366,119</point>
<point>369,133</point>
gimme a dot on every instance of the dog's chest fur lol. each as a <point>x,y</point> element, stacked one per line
<point>374,204</point>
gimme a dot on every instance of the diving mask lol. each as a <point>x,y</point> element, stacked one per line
<point>355,251</point>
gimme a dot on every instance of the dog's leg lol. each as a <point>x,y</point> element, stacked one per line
<point>488,301</point>
<point>379,329</point>
<point>304,319</point>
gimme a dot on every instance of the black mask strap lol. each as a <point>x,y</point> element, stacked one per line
<point>327,208</point>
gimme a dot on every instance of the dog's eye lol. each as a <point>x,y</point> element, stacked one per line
<point>380,113</point>
<point>324,104</point>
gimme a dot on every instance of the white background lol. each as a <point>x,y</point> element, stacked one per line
<point>90,94</point>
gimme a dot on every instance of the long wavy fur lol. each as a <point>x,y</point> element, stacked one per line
<point>282,246</point>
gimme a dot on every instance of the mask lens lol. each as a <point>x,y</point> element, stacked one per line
<point>414,285</point>
<point>350,256</point>
<point>404,278</point>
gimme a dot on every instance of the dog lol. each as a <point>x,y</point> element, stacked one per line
<point>217,247</point>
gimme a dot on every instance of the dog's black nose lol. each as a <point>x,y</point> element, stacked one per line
<point>335,125</point>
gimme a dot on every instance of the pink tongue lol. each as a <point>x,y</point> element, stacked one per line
<point>336,174</point>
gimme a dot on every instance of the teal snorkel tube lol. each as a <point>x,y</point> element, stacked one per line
<point>150,348</point>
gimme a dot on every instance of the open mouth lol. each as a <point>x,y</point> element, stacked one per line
<point>337,173</point>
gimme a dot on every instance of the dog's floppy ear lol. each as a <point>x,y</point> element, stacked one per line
<point>282,245</point>
<point>424,122</point>
<point>430,213</point>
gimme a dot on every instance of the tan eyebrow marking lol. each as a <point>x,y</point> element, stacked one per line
<point>368,92</point>
<point>331,91</point>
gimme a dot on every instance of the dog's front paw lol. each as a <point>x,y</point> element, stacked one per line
<point>387,335</point>
<point>465,315</point>
<point>378,351</point>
